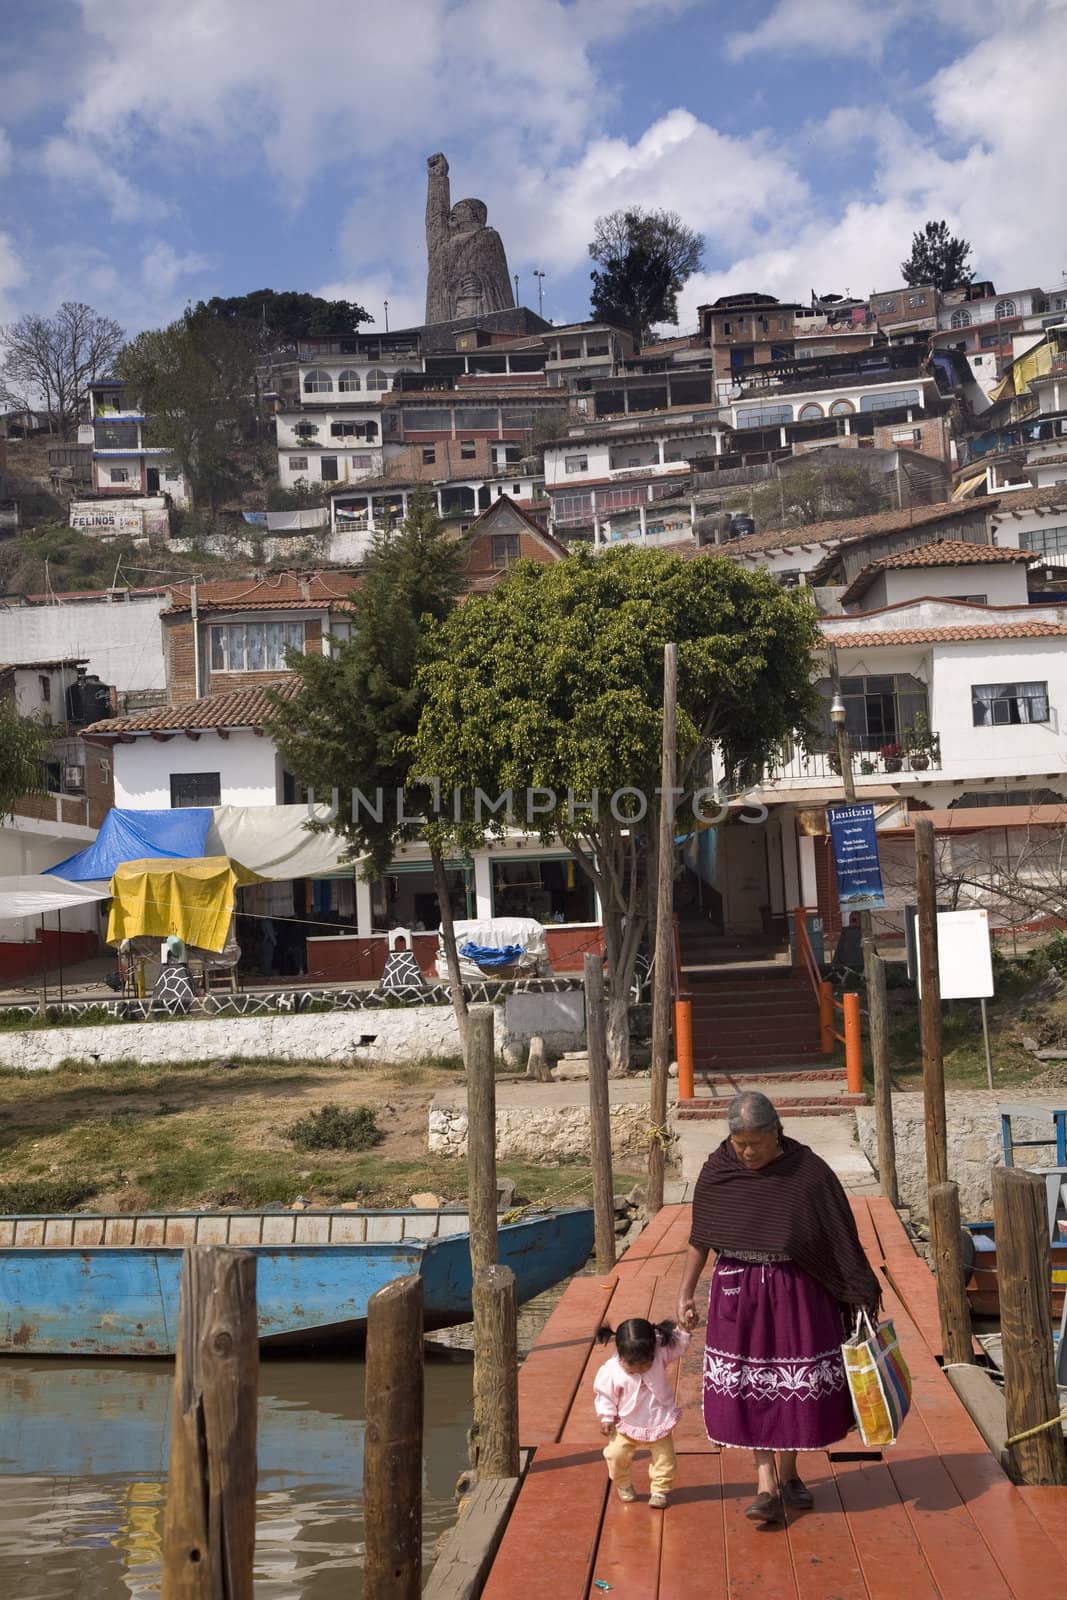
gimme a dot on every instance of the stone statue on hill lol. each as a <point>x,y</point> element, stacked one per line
<point>467,268</point>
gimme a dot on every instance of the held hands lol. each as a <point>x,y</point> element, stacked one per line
<point>687,1313</point>
<point>607,1427</point>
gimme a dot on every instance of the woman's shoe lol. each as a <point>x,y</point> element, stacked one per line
<point>797,1494</point>
<point>765,1508</point>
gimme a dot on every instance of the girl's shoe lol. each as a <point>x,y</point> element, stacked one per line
<point>625,1492</point>
<point>658,1501</point>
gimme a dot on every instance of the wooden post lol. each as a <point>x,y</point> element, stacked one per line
<point>945,1241</point>
<point>878,1024</point>
<point>661,974</point>
<point>392,1460</point>
<point>930,1013</point>
<point>481,1137</point>
<point>496,1374</point>
<point>599,1114</point>
<point>1024,1270</point>
<point>209,1526</point>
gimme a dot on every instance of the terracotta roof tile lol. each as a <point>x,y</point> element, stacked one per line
<point>237,708</point>
<point>947,635</point>
<point>846,530</point>
<point>282,590</point>
<point>256,605</point>
<point>1010,500</point>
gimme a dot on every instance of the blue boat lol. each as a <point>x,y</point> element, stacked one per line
<point>97,1286</point>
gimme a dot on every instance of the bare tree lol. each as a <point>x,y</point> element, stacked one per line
<point>1018,874</point>
<point>50,362</point>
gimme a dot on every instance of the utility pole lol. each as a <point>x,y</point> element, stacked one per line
<point>540,276</point>
<point>873,972</point>
<point>387,316</point>
<point>661,972</point>
<point>930,1012</point>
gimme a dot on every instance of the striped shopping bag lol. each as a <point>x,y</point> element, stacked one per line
<point>878,1380</point>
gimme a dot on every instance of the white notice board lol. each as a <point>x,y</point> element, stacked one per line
<point>964,956</point>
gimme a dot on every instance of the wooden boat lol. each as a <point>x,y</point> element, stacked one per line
<point>983,1290</point>
<point>108,1285</point>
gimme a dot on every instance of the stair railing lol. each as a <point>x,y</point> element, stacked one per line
<point>848,1006</point>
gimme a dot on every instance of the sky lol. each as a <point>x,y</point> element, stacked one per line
<point>153,154</point>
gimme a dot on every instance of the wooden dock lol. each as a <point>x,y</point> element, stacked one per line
<point>934,1518</point>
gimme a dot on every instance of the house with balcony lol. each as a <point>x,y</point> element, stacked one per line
<point>745,331</point>
<point>1021,441</point>
<point>124,464</point>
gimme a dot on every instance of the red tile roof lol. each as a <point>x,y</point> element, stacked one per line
<point>282,591</point>
<point>947,635</point>
<point>237,708</point>
<point>847,530</point>
<point>944,553</point>
<point>1010,500</point>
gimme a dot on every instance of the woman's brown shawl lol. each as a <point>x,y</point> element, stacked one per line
<point>795,1206</point>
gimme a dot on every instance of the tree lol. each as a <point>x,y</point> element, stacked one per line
<point>194,381</point>
<point>551,687</point>
<point>938,257</point>
<point>643,259</point>
<point>24,747</point>
<point>274,321</point>
<point>52,361</point>
<point>811,493</point>
<point>351,724</point>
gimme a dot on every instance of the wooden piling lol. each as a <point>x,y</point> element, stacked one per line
<point>392,1458</point>
<point>661,971</point>
<point>930,1013</point>
<point>209,1527</point>
<point>481,1136</point>
<point>878,1024</point>
<point>599,1114</point>
<point>496,1374</point>
<point>947,1262</point>
<point>1024,1270</point>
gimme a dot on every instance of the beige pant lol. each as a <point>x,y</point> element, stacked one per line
<point>619,1455</point>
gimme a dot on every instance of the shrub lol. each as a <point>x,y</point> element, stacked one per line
<point>333,1128</point>
<point>32,1197</point>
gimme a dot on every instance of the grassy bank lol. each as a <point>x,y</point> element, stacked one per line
<point>132,1137</point>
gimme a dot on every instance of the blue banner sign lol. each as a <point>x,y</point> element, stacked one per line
<point>855,844</point>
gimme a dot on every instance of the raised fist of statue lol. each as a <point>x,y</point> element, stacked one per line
<point>437,163</point>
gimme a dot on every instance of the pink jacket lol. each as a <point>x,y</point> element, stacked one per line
<point>641,1405</point>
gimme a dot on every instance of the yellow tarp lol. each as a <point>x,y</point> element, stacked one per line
<point>968,486</point>
<point>193,899</point>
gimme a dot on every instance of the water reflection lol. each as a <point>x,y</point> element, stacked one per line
<point>83,1451</point>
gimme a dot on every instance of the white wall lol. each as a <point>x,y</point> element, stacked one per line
<point>1028,748</point>
<point>245,763</point>
<point>122,640</point>
<point>598,457</point>
<point>1002,583</point>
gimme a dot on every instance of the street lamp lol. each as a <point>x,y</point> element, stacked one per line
<point>387,316</point>
<point>540,276</point>
<point>837,710</point>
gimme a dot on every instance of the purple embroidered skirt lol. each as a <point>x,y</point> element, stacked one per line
<point>773,1374</point>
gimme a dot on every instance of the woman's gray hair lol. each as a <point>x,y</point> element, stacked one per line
<point>751,1112</point>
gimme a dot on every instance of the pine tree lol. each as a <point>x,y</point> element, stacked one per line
<point>938,257</point>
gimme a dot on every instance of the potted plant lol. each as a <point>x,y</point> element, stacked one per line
<point>923,745</point>
<point>866,767</point>
<point>893,756</point>
<point>833,759</point>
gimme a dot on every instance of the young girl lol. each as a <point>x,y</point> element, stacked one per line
<point>636,1405</point>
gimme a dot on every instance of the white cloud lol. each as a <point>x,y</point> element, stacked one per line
<point>406,300</point>
<point>819,28</point>
<point>76,167</point>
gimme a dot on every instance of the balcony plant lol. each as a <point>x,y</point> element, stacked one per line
<point>866,767</point>
<point>923,745</point>
<point>892,756</point>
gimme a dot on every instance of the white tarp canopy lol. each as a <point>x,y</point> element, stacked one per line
<point>274,841</point>
<point>28,896</point>
<point>497,933</point>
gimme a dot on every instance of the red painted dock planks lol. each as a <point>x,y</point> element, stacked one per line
<point>824,1557</point>
<point>693,1556</point>
<point>551,1538</point>
<point>1049,1506</point>
<point>759,1561</point>
<point>549,1377</point>
<point>887,1546</point>
<point>628,1556</point>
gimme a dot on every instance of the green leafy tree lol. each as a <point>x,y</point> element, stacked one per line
<point>274,320</point>
<point>194,381</point>
<point>810,494</point>
<point>24,747</point>
<point>551,686</point>
<point>351,725</point>
<point>938,257</point>
<point>643,259</point>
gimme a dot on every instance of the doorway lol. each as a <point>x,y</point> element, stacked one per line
<point>152,480</point>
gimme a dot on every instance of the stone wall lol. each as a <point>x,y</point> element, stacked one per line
<point>974,1148</point>
<point>536,1133</point>
<point>395,1035</point>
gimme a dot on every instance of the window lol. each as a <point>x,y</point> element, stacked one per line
<point>44,683</point>
<point>960,319</point>
<point>915,301</point>
<point>970,599</point>
<point>377,379</point>
<point>516,488</point>
<point>597,350</point>
<point>576,463</point>
<point>298,463</point>
<point>364,462</point>
<point>254,646</point>
<point>990,341</point>
<point>887,306</point>
<point>809,411</point>
<point>429,455</point>
<point>995,705</point>
<point>120,475</point>
<point>878,710</point>
<point>842,408</point>
<point>195,789</point>
<point>727,328</point>
<point>1045,541</point>
<point>467,450</point>
<point>764,416</point>
<point>317,382</point>
<point>171,474</point>
<point>782,325</point>
<point>549,889</point>
<point>505,549</point>
<point>328,467</point>
<point>348,381</point>
<point>1005,308</point>
<point>889,402</point>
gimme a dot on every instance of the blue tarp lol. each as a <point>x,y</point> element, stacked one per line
<point>483,956</point>
<point>138,836</point>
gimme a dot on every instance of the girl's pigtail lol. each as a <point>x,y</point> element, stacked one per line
<point>604,1334</point>
<point>665,1332</point>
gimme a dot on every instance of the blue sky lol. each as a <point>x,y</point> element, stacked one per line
<point>154,152</point>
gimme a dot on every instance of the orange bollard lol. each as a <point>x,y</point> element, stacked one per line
<point>826,1017</point>
<point>853,1043</point>
<point>683,1037</point>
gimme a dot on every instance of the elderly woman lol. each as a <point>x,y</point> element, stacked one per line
<point>789,1265</point>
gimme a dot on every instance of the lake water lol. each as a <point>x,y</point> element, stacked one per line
<point>83,1453</point>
